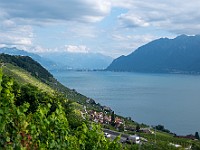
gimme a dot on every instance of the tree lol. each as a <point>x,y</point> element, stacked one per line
<point>0,79</point>
<point>197,135</point>
<point>138,128</point>
<point>113,118</point>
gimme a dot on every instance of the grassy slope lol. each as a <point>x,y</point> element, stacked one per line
<point>26,70</point>
<point>24,77</point>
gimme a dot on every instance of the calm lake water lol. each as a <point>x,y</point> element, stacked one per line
<point>168,99</point>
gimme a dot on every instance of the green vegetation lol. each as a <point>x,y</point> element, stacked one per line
<point>29,65</point>
<point>31,119</point>
<point>161,128</point>
<point>34,115</point>
<point>25,70</point>
<point>23,77</point>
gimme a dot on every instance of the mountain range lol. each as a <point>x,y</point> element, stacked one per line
<point>68,60</point>
<point>178,55</point>
<point>64,60</point>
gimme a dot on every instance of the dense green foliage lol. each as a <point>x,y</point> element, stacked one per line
<point>44,125</point>
<point>161,128</point>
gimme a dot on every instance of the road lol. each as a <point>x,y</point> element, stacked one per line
<point>114,134</point>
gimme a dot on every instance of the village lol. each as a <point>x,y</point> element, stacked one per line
<point>109,119</point>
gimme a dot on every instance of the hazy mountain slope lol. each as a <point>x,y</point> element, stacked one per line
<point>43,61</point>
<point>64,60</point>
<point>67,60</point>
<point>181,55</point>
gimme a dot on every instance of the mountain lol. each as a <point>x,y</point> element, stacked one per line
<point>67,60</point>
<point>178,55</point>
<point>43,61</point>
<point>64,60</point>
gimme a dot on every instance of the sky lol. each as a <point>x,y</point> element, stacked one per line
<point>109,27</point>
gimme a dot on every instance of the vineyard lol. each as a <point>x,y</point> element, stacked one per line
<point>46,125</point>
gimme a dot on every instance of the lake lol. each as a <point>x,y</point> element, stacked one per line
<point>172,100</point>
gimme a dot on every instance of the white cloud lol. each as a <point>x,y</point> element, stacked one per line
<point>112,27</point>
<point>46,11</point>
<point>122,3</point>
<point>131,20</point>
<point>2,45</point>
<point>12,34</point>
<point>178,16</point>
<point>130,42</point>
<point>82,30</point>
<point>76,48</point>
<point>39,49</point>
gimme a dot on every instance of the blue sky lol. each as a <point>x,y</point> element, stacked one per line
<point>110,27</point>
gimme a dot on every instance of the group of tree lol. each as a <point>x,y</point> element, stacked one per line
<point>161,128</point>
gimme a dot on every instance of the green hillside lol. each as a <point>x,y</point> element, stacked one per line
<point>24,77</point>
<point>25,70</point>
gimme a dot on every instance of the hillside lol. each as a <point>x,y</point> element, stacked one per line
<point>33,118</point>
<point>178,55</point>
<point>25,70</point>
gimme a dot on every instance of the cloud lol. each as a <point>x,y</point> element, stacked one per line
<point>130,42</point>
<point>122,3</point>
<point>76,48</point>
<point>50,11</point>
<point>131,20</point>
<point>12,34</point>
<point>112,27</point>
<point>177,16</point>
<point>79,30</point>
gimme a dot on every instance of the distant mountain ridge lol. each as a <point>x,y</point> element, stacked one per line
<point>68,60</point>
<point>64,60</point>
<point>43,61</point>
<point>178,55</point>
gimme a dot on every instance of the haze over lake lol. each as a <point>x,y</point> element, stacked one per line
<point>168,99</point>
